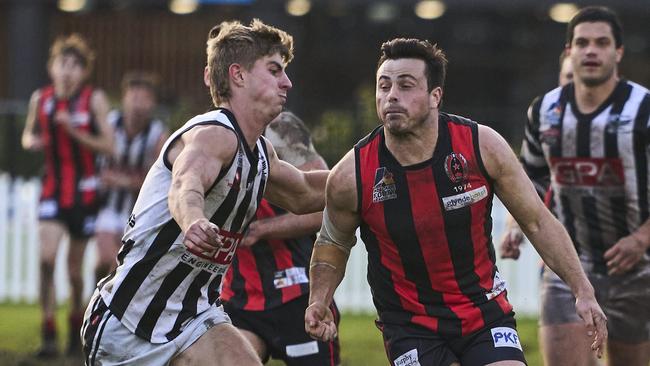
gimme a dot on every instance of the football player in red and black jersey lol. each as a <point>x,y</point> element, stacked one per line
<point>67,121</point>
<point>420,187</point>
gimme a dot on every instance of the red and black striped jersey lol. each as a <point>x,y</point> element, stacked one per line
<point>269,273</point>
<point>427,229</point>
<point>70,172</point>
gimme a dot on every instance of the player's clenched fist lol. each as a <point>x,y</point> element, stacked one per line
<point>319,322</point>
<point>202,236</point>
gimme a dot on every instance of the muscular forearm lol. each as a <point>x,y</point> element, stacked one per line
<point>315,195</point>
<point>554,245</point>
<point>326,272</point>
<point>186,205</point>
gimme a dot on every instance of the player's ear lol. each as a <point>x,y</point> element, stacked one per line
<point>435,97</point>
<point>236,75</point>
<point>206,76</point>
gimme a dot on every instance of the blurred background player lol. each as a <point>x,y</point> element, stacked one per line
<point>138,139</point>
<point>67,121</point>
<point>266,289</point>
<point>591,138</point>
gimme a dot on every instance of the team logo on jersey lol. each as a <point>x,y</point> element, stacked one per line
<point>384,187</point>
<point>456,167</point>
<point>617,123</point>
<point>554,114</point>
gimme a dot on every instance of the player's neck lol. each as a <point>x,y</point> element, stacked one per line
<point>250,122</point>
<point>416,146</point>
<point>589,98</point>
<point>61,92</point>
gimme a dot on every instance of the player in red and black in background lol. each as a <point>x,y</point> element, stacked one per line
<point>67,121</point>
<point>590,139</point>
<point>420,187</point>
<point>266,289</point>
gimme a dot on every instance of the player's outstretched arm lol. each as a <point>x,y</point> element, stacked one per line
<point>332,248</point>
<point>544,231</point>
<point>297,191</point>
<point>196,162</point>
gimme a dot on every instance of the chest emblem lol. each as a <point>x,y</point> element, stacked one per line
<point>384,187</point>
<point>456,167</point>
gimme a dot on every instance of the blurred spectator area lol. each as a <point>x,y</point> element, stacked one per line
<point>502,54</point>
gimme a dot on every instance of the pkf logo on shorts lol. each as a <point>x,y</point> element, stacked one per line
<point>410,358</point>
<point>505,337</point>
<point>384,187</point>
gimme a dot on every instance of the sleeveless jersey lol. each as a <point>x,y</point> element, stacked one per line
<point>598,164</point>
<point>70,172</point>
<point>132,156</point>
<point>159,285</point>
<point>269,273</point>
<point>427,229</point>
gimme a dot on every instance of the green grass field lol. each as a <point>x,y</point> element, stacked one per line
<point>361,342</point>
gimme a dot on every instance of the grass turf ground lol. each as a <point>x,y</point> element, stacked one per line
<point>361,342</point>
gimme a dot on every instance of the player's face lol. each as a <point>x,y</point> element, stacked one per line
<point>267,85</point>
<point>138,102</point>
<point>566,72</point>
<point>593,53</point>
<point>67,74</point>
<point>403,102</point>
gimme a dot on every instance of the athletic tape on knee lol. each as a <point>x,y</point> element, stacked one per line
<point>330,235</point>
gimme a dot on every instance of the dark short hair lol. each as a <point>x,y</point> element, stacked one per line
<point>597,14</point>
<point>141,79</point>
<point>434,58</point>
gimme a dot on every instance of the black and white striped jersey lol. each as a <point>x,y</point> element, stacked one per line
<point>159,285</point>
<point>131,156</point>
<point>598,164</point>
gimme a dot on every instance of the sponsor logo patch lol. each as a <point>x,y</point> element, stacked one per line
<point>588,172</point>
<point>290,276</point>
<point>456,167</point>
<point>505,337</point>
<point>302,349</point>
<point>384,187</point>
<point>410,358</point>
<point>224,254</point>
<point>464,199</point>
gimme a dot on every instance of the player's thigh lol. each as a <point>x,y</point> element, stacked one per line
<point>221,345</point>
<point>50,233</point>
<point>76,252</point>
<point>567,344</point>
<point>626,354</point>
<point>258,343</point>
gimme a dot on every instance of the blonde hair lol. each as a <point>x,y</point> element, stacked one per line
<point>75,45</point>
<point>231,42</point>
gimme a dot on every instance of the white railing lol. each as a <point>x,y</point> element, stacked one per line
<point>19,258</point>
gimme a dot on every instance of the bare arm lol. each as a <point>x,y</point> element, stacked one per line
<point>544,231</point>
<point>103,141</point>
<point>288,225</point>
<point>30,139</point>
<point>196,162</point>
<point>297,191</point>
<point>330,254</point>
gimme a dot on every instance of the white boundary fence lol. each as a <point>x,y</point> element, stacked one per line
<point>19,258</point>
